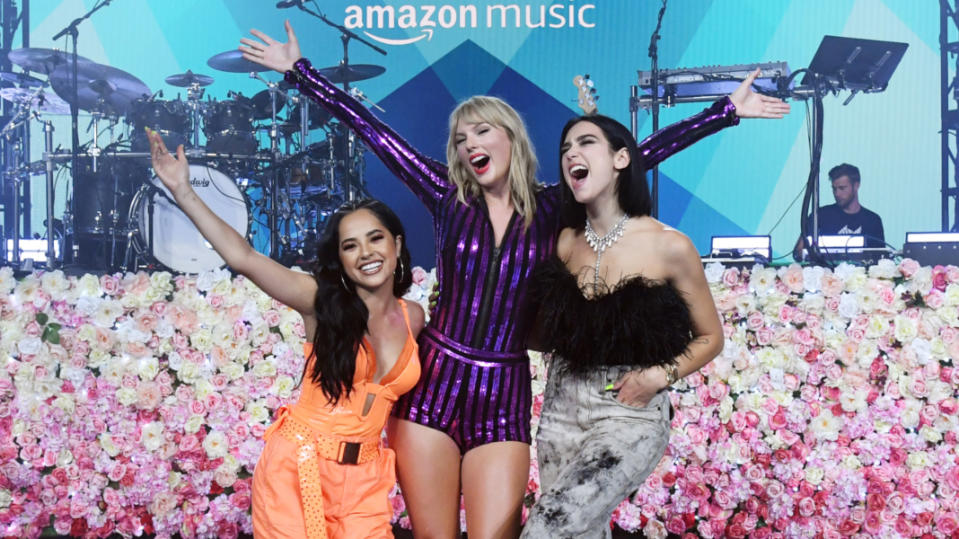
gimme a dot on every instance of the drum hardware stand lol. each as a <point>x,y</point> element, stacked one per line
<point>72,30</point>
<point>52,262</point>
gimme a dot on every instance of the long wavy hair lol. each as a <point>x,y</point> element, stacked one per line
<point>341,316</point>
<point>522,165</point>
<point>632,190</point>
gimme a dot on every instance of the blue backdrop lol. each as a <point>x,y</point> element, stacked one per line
<point>743,181</point>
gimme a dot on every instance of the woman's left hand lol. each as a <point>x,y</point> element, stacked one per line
<point>750,104</point>
<point>637,388</point>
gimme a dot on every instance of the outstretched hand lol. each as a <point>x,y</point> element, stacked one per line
<point>271,53</point>
<point>173,171</point>
<point>750,104</point>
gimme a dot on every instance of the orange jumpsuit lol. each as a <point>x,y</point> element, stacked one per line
<point>303,485</point>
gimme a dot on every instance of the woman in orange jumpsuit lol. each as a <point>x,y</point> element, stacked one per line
<point>324,472</point>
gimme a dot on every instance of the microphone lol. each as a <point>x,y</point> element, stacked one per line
<point>283,4</point>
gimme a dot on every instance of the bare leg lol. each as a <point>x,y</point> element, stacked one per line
<point>494,483</point>
<point>428,469</point>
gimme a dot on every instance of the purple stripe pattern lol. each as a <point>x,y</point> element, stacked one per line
<point>475,383</point>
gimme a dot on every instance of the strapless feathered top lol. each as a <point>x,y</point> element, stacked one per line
<point>639,322</point>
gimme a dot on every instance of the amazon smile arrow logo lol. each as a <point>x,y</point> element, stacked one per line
<point>427,33</point>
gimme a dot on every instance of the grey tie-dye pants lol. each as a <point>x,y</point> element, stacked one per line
<point>593,452</point>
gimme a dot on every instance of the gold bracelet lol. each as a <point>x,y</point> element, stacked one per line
<point>672,374</point>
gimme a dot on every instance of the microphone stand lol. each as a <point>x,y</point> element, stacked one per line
<point>72,29</point>
<point>654,83</point>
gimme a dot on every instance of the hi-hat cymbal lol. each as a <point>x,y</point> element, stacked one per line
<point>44,60</point>
<point>351,72</point>
<point>100,88</point>
<point>20,79</point>
<point>234,62</point>
<point>185,80</point>
<point>43,101</point>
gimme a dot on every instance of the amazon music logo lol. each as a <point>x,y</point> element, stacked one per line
<point>377,21</point>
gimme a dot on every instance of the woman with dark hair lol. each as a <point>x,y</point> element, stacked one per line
<point>324,471</point>
<point>465,427</point>
<point>626,311</point>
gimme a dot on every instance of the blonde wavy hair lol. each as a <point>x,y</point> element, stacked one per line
<point>522,165</point>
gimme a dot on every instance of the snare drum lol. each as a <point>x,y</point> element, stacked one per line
<point>166,234</point>
<point>228,126</point>
<point>169,118</point>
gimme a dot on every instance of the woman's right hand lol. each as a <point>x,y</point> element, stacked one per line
<point>174,172</point>
<point>271,53</point>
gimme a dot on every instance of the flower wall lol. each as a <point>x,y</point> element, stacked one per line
<point>134,404</point>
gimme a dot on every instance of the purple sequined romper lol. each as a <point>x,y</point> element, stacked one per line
<point>475,385</point>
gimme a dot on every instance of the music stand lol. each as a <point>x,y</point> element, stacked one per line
<point>860,65</point>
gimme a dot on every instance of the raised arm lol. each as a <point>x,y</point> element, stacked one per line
<point>742,103</point>
<point>426,177</point>
<point>283,284</point>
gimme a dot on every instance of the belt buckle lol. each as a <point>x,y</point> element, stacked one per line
<point>349,453</point>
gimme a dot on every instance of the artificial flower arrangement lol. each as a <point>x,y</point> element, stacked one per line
<point>134,405</point>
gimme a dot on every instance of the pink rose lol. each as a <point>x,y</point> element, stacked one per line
<point>676,525</point>
<point>755,320</point>
<point>110,284</point>
<point>197,407</point>
<point>793,279</point>
<point>946,523</point>
<point>272,318</point>
<point>419,276</point>
<point>908,267</point>
<point>731,277</point>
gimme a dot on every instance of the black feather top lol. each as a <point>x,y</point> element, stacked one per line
<point>638,322</point>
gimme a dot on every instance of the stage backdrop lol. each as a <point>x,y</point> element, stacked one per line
<point>742,181</point>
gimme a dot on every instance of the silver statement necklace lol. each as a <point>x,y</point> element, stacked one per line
<point>599,244</point>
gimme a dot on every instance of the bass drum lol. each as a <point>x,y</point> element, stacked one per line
<point>166,235</point>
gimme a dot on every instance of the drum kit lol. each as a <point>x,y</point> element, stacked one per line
<point>250,161</point>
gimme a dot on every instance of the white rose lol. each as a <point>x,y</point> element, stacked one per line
<point>148,368</point>
<point>714,272</point>
<point>193,424</point>
<point>917,460</point>
<point>126,396</point>
<point>151,435</point>
<point>106,442</point>
<point>848,305</point>
<point>215,444</point>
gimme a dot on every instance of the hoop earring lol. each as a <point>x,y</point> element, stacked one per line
<point>401,267</point>
<point>345,286</point>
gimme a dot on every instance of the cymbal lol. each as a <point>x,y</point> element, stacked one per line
<point>234,62</point>
<point>20,79</point>
<point>351,72</point>
<point>43,60</point>
<point>100,88</point>
<point>185,80</point>
<point>260,103</point>
<point>44,101</point>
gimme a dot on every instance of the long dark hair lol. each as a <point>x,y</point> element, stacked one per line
<point>631,187</point>
<point>341,315</point>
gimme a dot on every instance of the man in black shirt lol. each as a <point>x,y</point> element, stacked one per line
<point>846,216</point>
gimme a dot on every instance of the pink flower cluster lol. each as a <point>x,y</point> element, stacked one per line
<point>133,405</point>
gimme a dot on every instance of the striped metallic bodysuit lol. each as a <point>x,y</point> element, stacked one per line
<point>475,383</point>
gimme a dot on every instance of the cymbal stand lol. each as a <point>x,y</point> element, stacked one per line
<point>51,229</point>
<point>15,175</point>
<point>273,181</point>
<point>194,95</point>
